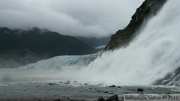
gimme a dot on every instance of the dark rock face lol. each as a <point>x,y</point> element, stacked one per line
<point>112,86</point>
<point>101,99</point>
<point>140,90</point>
<point>23,47</point>
<point>122,37</point>
<point>113,98</point>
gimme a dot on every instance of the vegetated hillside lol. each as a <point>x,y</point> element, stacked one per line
<point>122,37</point>
<point>26,46</point>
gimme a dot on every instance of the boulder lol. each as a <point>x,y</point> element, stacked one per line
<point>101,99</point>
<point>113,98</point>
<point>112,86</point>
<point>140,90</point>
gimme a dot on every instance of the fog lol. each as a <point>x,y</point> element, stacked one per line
<point>152,55</point>
<point>89,18</point>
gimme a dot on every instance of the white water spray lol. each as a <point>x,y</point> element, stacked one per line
<point>151,56</point>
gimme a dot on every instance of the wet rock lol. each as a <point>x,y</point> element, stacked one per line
<point>112,86</point>
<point>90,88</point>
<point>101,99</point>
<point>119,86</point>
<point>57,100</point>
<point>68,82</point>
<point>140,90</point>
<point>113,98</point>
<point>106,92</point>
<point>52,84</point>
<point>37,86</point>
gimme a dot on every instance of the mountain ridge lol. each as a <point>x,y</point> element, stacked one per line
<point>37,44</point>
<point>122,37</point>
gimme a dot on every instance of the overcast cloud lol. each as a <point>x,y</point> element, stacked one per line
<point>91,18</point>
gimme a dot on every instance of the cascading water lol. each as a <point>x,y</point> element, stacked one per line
<point>153,54</point>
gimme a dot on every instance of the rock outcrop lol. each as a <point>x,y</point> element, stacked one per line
<point>122,37</point>
<point>111,98</point>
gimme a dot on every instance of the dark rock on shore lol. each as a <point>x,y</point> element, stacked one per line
<point>112,86</point>
<point>112,98</point>
<point>106,92</point>
<point>119,86</point>
<point>68,82</point>
<point>52,84</point>
<point>122,37</point>
<point>140,90</point>
<point>101,99</point>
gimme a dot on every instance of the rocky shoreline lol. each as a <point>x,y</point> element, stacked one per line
<point>67,91</point>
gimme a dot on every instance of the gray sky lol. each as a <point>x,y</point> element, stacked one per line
<point>91,18</point>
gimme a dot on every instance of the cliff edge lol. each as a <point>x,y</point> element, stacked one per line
<point>148,9</point>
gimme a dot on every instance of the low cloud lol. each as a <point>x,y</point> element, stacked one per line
<point>89,18</point>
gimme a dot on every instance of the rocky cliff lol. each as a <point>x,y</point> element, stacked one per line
<point>148,9</point>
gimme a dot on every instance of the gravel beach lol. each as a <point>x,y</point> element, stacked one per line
<point>67,91</point>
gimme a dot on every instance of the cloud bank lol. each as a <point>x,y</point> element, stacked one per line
<point>89,18</point>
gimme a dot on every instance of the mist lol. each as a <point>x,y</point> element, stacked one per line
<point>152,55</point>
<point>86,18</point>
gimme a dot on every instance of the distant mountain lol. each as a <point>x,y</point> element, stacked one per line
<point>122,37</point>
<point>27,46</point>
<point>95,42</point>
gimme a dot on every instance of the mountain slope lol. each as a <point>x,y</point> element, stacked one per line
<point>122,37</point>
<point>36,44</point>
<point>95,42</point>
